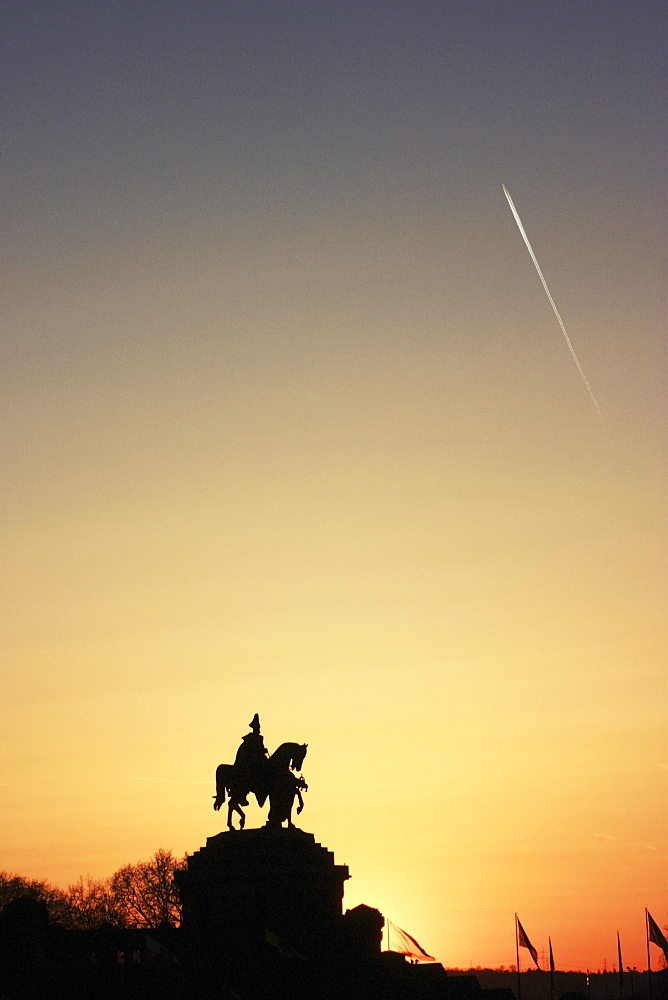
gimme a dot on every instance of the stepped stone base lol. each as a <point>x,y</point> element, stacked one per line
<point>246,888</point>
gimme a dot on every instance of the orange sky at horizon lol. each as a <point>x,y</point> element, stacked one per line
<point>289,427</point>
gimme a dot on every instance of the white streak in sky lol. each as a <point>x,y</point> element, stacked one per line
<point>169,781</point>
<point>547,292</point>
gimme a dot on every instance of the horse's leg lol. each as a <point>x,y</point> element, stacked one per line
<point>289,804</point>
<point>300,801</point>
<point>273,819</point>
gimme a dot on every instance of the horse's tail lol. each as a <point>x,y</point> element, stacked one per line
<point>220,786</point>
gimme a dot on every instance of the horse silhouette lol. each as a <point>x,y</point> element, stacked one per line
<point>274,779</point>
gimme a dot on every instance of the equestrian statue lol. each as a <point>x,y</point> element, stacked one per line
<point>255,772</point>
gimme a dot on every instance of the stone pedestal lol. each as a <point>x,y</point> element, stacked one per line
<point>248,892</point>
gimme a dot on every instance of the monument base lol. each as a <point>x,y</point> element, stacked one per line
<point>253,896</point>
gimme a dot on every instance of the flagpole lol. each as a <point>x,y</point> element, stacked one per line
<point>517,953</point>
<point>621,968</point>
<point>549,941</point>
<point>649,964</point>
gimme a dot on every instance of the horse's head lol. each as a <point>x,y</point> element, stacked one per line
<point>298,756</point>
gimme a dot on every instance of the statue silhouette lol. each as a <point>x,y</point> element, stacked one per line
<point>254,772</point>
<point>250,764</point>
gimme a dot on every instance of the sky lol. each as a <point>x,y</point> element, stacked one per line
<point>289,427</point>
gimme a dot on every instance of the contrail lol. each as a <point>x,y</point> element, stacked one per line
<point>169,781</point>
<point>547,292</point>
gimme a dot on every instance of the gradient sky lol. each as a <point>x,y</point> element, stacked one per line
<point>289,427</point>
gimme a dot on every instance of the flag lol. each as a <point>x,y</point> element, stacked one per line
<point>655,935</point>
<point>551,956</point>
<point>524,942</point>
<point>620,964</point>
<point>155,948</point>
<point>274,941</point>
<point>404,944</point>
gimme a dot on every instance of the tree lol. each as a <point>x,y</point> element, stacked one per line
<point>141,895</point>
<point>92,903</point>
<point>15,887</point>
<point>145,893</point>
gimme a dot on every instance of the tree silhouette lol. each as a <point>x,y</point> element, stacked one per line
<point>16,887</point>
<point>145,893</point>
<point>92,903</point>
<point>140,895</point>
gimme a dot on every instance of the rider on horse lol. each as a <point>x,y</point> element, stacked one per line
<point>250,764</point>
<point>255,772</point>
